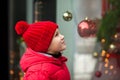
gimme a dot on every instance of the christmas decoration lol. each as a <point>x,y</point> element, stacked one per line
<point>110,25</point>
<point>98,74</point>
<point>116,37</point>
<point>87,28</point>
<point>95,54</point>
<point>67,16</point>
<point>117,57</point>
<point>14,65</point>
<point>114,48</point>
<point>108,37</point>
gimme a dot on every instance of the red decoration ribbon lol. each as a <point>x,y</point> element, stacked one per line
<point>114,56</point>
<point>117,57</point>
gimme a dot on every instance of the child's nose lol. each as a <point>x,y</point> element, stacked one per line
<point>62,36</point>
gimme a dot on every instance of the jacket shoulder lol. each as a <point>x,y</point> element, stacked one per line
<point>46,71</point>
<point>51,68</point>
<point>45,67</point>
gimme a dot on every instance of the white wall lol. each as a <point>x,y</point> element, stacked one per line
<point>68,30</point>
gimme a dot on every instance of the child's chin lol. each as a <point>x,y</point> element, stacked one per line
<point>64,48</point>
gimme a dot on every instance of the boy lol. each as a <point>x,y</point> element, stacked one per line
<point>43,59</point>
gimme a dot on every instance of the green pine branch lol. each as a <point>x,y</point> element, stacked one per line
<point>109,23</point>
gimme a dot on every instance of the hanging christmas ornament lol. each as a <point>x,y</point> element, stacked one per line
<point>98,74</point>
<point>87,28</point>
<point>67,16</point>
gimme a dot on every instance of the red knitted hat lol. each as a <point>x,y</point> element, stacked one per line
<point>37,36</point>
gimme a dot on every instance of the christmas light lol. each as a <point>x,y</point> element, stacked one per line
<point>106,65</point>
<point>106,71</point>
<point>107,55</point>
<point>112,46</point>
<point>111,67</point>
<point>103,53</point>
<point>95,54</point>
<point>11,72</point>
<point>102,40</point>
<point>106,60</point>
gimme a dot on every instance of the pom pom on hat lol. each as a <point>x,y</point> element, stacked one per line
<point>21,27</point>
<point>37,36</point>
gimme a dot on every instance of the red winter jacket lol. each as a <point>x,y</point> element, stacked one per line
<point>39,66</point>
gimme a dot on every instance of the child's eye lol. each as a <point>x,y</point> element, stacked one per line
<point>56,34</point>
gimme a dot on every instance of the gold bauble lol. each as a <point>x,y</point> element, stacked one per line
<point>67,16</point>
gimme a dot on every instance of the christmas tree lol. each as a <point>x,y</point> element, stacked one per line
<point>108,35</point>
<point>109,30</point>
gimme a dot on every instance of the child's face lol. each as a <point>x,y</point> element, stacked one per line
<point>57,44</point>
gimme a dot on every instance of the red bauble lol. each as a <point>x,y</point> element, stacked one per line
<point>98,74</point>
<point>87,28</point>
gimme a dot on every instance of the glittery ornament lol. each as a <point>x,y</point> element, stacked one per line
<point>87,28</point>
<point>98,74</point>
<point>67,16</point>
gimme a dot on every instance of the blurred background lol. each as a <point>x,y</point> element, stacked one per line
<point>93,53</point>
